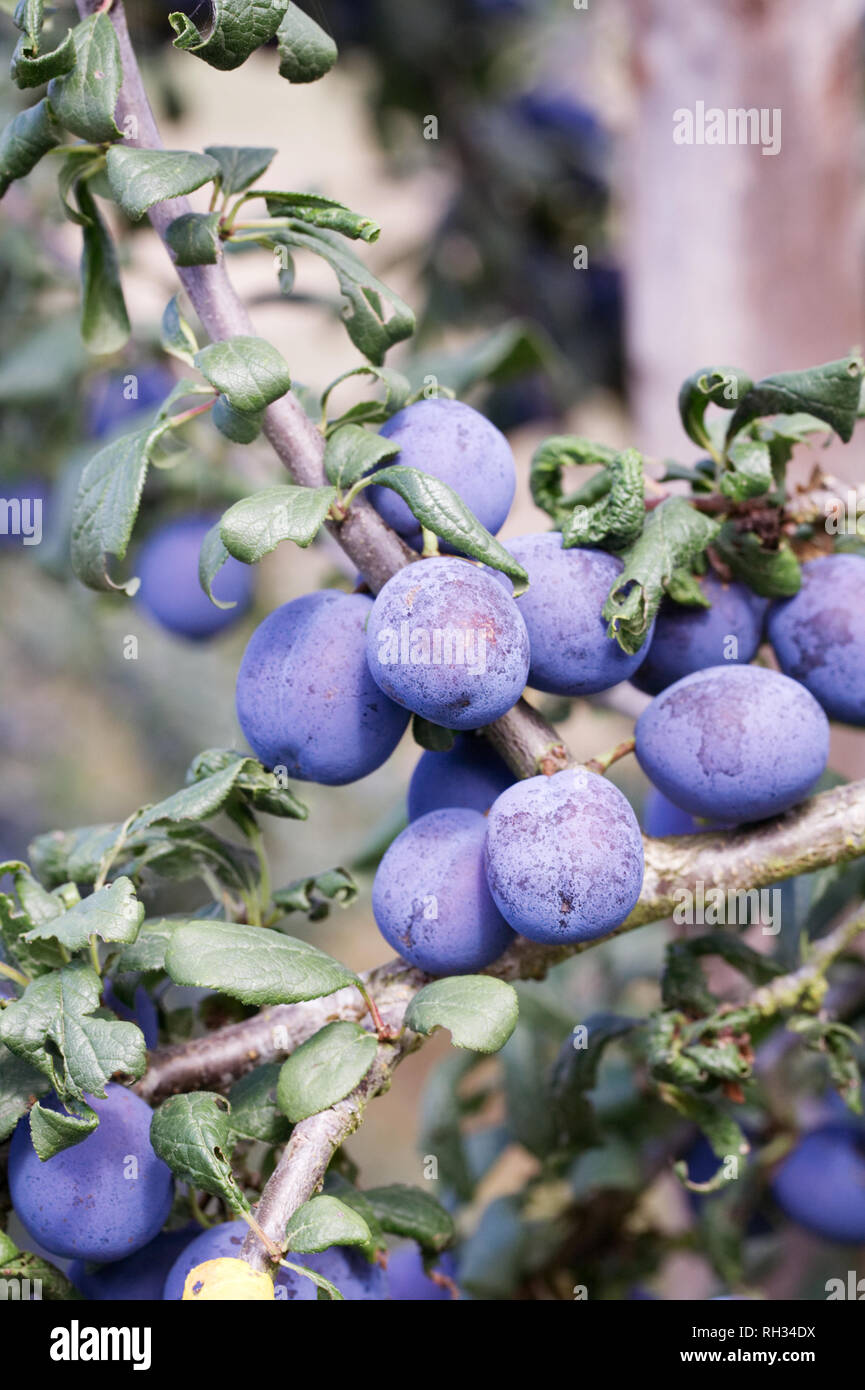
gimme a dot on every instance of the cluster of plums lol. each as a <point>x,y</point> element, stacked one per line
<point>103,1203</point>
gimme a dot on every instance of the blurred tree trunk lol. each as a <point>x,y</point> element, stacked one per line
<point>731,255</point>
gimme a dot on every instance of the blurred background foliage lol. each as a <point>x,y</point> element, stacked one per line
<point>480,134</point>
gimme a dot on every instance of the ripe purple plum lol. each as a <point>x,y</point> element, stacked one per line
<point>306,700</point>
<point>447,642</point>
<point>821,1184</point>
<point>689,639</point>
<point>710,743</point>
<point>102,1199</point>
<point>564,856</point>
<point>819,635</point>
<point>409,1281</point>
<point>457,444</point>
<point>571,653</point>
<point>171,591</point>
<point>430,896</point>
<point>138,1277</point>
<point>470,774</point>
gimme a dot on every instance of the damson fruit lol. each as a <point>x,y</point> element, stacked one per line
<point>821,1184</point>
<point>102,1199</point>
<point>446,641</point>
<point>171,591</point>
<point>470,774</point>
<point>224,1242</point>
<point>430,896</point>
<point>139,1276</point>
<point>819,635</point>
<point>712,743</point>
<point>571,653</point>
<point>357,1279</point>
<point>564,856</point>
<point>661,817</point>
<point>305,698</point>
<point>689,639</point>
<point>457,444</point>
<point>408,1280</point>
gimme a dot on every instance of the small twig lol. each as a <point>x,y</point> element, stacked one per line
<point>604,761</point>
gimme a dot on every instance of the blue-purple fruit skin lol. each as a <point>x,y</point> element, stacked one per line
<point>409,1282</point>
<point>83,1202</point>
<point>470,774</point>
<point>171,592</point>
<point>571,653</point>
<point>819,635</point>
<point>358,1280</point>
<point>143,1012</point>
<point>305,698</point>
<point>689,639</point>
<point>430,896</point>
<point>661,817</point>
<point>140,1276</point>
<point>417,624</point>
<point>564,856</point>
<point>821,1184</point>
<point>712,743</point>
<point>225,1241</point>
<point>457,444</point>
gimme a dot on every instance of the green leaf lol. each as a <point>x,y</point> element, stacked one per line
<point>112,913</point>
<point>84,99</point>
<point>18,1264</point>
<point>364,315</point>
<point>106,507</point>
<point>24,141</point>
<point>177,338</point>
<point>437,507</point>
<point>434,737</point>
<point>722,386</point>
<point>318,211</point>
<point>237,28</point>
<point>507,352</point>
<point>199,801</point>
<point>306,52</point>
<point>241,427</point>
<point>147,951</point>
<point>211,558</point>
<point>252,964</point>
<point>722,1131</point>
<point>263,790</point>
<point>52,1131</point>
<point>563,451</point>
<point>770,572</point>
<point>324,1285</point>
<point>61,856</point>
<point>256,525</point>
<point>32,69</point>
<point>375,412</point>
<point>314,895</point>
<point>479,1012</point>
<point>193,1135</point>
<point>674,535</point>
<point>411,1212</point>
<point>29,17</point>
<point>830,392</point>
<point>325,1069</point>
<point>20,1085</point>
<point>616,518</point>
<point>51,1027</point>
<point>249,371</point>
<point>322,1222</point>
<point>750,469</point>
<point>104,320</point>
<point>194,238</point>
<point>254,1112</point>
<point>239,165</point>
<point>575,1072</point>
<point>140,178</point>
<point>353,451</point>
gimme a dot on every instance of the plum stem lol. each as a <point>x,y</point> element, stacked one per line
<point>604,761</point>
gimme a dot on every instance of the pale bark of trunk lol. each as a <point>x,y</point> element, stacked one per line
<point>733,255</point>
